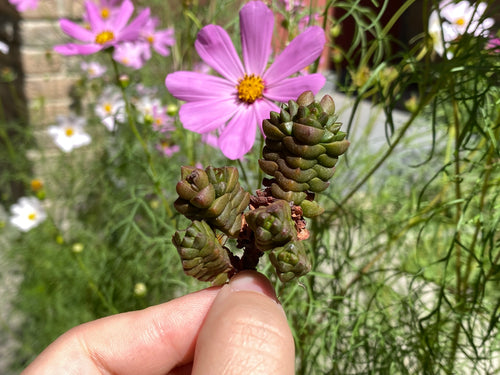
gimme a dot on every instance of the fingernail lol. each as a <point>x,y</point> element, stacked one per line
<point>252,281</point>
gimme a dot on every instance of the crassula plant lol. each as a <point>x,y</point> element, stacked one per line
<point>302,145</point>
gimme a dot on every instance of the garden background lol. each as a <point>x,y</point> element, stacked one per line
<point>405,258</point>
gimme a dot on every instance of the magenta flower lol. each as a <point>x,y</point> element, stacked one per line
<point>102,32</point>
<point>159,40</point>
<point>246,93</point>
<point>130,54</point>
<point>23,5</point>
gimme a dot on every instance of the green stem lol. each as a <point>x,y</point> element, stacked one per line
<point>389,151</point>
<point>460,289</point>
<point>94,287</point>
<point>385,30</point>
<point>131,121</point>
<point>244,173</point>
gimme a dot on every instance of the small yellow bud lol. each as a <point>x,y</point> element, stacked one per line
<point>124,80</point>
<point>172,109</point>
<point>337,55</point>
<point>335,30</point>
<point>59,239</point>
<point>77,248</point>
<point>412,104</point>
<point>140,290</point>
<point>155,203</point>
<point>36,184</point>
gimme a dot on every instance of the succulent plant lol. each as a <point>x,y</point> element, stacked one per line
<point>202,256</point>
<point>272,225</point>
<point>214,195</point>
<point>290,261</point>
<point>303,143</point>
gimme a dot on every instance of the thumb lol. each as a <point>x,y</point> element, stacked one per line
<point>245,331</point>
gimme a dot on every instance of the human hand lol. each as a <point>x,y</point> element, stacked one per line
<point>237,329</point>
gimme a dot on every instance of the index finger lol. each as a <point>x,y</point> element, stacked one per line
<point>151,341</point>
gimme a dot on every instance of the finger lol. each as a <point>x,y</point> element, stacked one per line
<point>151,341</point>
<point>245,332</point>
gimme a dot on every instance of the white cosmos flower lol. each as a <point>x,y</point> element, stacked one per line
<point>93,69</point>
<point>110,108</point>
<point>146,107</point>
<point>4,48</point>
<point>68,133</point>
<point>454,20</point>
<point>27,213</point>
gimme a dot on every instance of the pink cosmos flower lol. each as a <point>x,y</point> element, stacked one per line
<point>102,33</point>
<point>161,121</point>
<point>23,5</point>
<point>166,148</point>
<point>493,44</point>
<point>246,93</point>
<point>107,8</point>
<point>130,54</point>
<point>159,40</point>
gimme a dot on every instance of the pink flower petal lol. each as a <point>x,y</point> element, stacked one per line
<point>205,116</point>
<point>192,86</point>
<point>76,31</point>
<point>256,25</point>
<point>77,49</point>
<point>291,88</point>
<point>301,52</point>
<point>214,46</point>
<point>262,109</point>
<point>238,136</point>
<point>122,15</point>
<point>132,31</point>
<point>94,16</point>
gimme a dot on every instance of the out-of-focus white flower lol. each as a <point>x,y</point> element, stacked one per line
<point>110,108</point>
<point>455,19</point>
<point>27,213</point>
<point>93,69</point>
<point>146,106</point>
<point>68,133</point>
<point>4,48</point>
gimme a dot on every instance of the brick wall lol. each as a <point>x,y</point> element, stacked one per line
<point>48,75</point>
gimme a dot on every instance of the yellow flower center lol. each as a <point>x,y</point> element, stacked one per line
<point>104,13</point>
<point>460,22</point>
<point>250,88</point>
<point>150,39</point>
<point>104,37</point>
<point>32,216</point>
<point>36,184</point>
<point>69,132</point>
<point>107,107</point>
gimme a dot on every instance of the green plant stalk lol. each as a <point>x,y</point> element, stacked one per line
<point>386,30</point>
<point>133,127</point>
<point>5,136</point>
<point>491,154</point>
<point>94,287</point>
<point>455,129</point>
<point>389,151</point>
<point>8,143</point>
